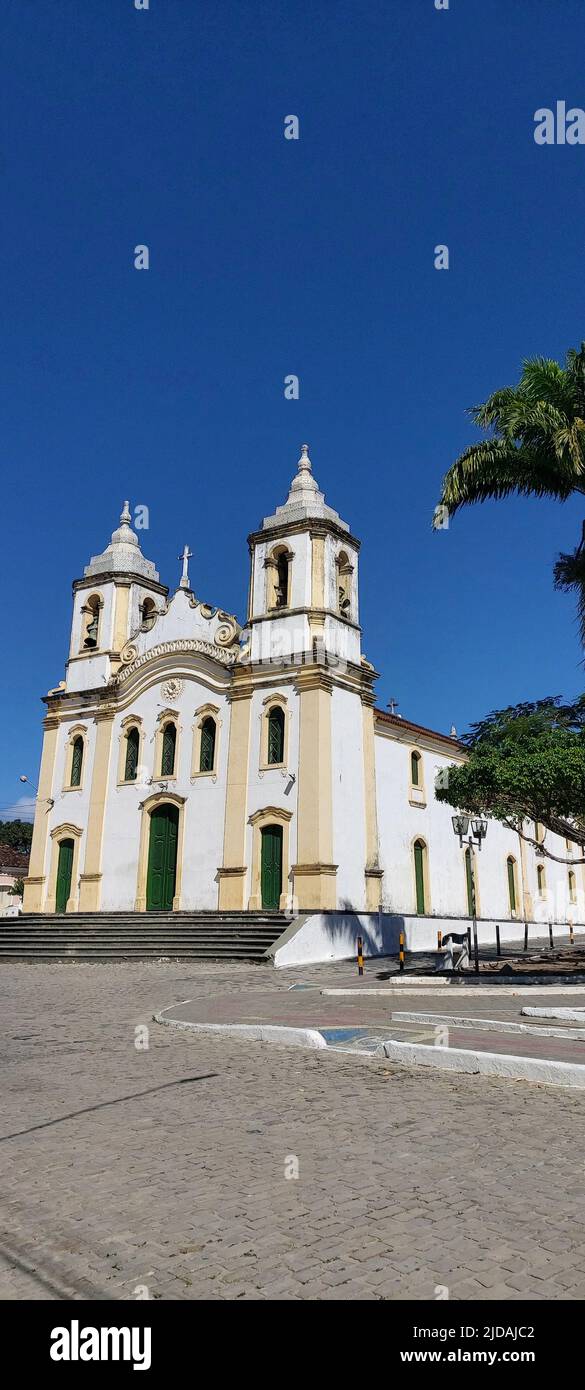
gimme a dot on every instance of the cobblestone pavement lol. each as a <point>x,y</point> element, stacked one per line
<point>166,1168</point>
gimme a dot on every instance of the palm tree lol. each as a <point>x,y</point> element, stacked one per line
<point>536,448</point>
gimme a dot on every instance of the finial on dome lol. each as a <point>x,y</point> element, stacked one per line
<point>304,461</point>
<point>125,517</point>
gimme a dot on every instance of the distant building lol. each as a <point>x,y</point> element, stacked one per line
<point>13,866</point>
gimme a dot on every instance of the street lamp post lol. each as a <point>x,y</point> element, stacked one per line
<point>479,832</point>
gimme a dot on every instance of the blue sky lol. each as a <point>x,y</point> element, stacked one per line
<point>271,257</point>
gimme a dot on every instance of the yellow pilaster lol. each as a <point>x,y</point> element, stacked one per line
<point>232,874</point>
<point>373,872</point>
<point>35,882</point>
<point>91,878</point>
<point>317,571</point>
<point>314,873</point>
<point>122,601</point>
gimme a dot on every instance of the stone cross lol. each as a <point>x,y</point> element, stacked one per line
<point>185,557</point>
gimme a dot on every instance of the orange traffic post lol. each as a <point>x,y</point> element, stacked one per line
<point>401,950</point>
<point>360,956</point>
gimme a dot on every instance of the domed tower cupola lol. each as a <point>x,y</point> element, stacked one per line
<point>119,591</point>
<point>303,590</point>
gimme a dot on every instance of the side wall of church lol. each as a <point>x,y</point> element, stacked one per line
<point>349,845</point>
<point>407,814</point>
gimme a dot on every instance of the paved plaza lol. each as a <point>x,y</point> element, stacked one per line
<point>167,1169</point>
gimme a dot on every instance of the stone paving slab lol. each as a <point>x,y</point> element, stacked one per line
<point>170,1167</point>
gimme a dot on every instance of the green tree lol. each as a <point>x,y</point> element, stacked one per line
<point>525,763</point>
<point>535,448</point>
<point>17,834</point>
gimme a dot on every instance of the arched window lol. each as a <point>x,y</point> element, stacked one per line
<point>512,897</point>
<point>169,744</point>
<point>415,769</point>
<point>276,735</point>
<point>207,751</point>
<point>541,880</point>
<point>132,753</point>
<point>147,614</point>
<point>420,854</point>
<point>344,574</point>
<point>469,881</point>
<point>282,580</point>
<point>76,761</point>
<point>91,612</point>
<point>572,887</point>
<point>278,578</point>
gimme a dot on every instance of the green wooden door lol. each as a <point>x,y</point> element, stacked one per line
<point>64,868</point>
<point>271,866</point>
<point>162,859</point>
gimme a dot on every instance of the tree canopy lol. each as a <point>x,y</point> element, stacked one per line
<point>524,763</point>
<point>17,834</point>
<point>535,448</point>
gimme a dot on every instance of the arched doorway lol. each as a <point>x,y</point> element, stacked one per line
<point>64,871</point>
<point>162,858</point>
<point>271,866</point>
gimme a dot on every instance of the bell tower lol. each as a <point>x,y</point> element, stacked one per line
<point>304,578</point>
<point>118,592</point>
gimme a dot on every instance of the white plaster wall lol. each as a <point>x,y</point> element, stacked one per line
<point>205,800</point>
<point>87,672</point>
<point>280,638</point>
<point>349,836</point>
<point>324,936</point>
<point>400,823</point>
<point>300,572</point>
<point>71,807</point>
<point>333,547</point>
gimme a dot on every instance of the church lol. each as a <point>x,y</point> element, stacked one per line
<point>191,763</point>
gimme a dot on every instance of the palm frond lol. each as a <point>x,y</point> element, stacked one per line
<point>569,575</point>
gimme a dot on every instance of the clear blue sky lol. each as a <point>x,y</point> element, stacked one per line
<point>271,257</point>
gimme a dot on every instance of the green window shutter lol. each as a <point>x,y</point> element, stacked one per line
<point>419,876</point>
<point>207,755</point>
<point>511,885</point>
<point>414,762</point>
<point>468,882</point>
<point>77,762</point>
<point>132,747</point>
<point>169,744</point>
<point>276,735</point>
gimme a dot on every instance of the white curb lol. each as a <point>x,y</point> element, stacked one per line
<point>494,1025</point>
<point>486,1063</point>
<point>531,989</point>
<point>252,1032</point>
<point>576,1015</point>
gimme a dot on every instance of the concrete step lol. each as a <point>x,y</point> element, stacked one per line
<point>140,936</point>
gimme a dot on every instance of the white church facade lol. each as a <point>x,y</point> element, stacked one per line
<point>190,763</point>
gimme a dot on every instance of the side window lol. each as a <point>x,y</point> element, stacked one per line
<point>132,753</point>
<point>76,761</point>
<point>276,735</point>
<point>207,751</point>
<point>169,744</point>
<point>512,895</point>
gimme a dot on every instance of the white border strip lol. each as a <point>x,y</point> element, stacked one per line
<point>576,1015</point>
<point>499,1025</point>
<point>250,1032</point>
<point>464,990</point>
<point>485,1063</point>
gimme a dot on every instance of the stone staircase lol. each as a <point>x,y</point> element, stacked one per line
<point>101,936</point>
